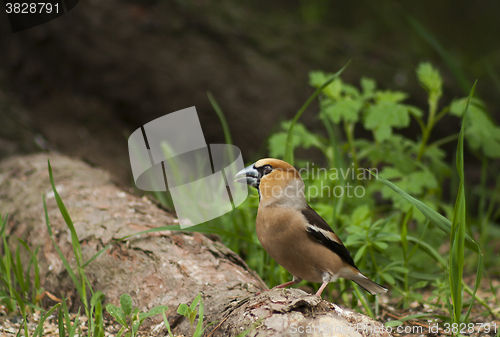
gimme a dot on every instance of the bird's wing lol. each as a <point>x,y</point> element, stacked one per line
<point>320,231</point>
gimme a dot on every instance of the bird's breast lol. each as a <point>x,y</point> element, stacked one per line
<point>282,234</point>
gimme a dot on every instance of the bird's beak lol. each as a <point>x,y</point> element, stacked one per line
<point>249,175</point>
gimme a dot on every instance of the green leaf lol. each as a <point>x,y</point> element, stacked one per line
<point>481,133</point>
<point>183,309</point>
<point>192,317</point>
<point>195,302</point>
<point>117,313</point>
<point>414,110</point>
<point>368,86</point>
<point>344,109</point>
<point>135,327</point>
<point>199,327</point>
<point>97,297</point>
<point>126,303</point>
<point>385,115</point>
<point>121,331</point>
<point>317,78</point>
<point>165,321</point>
<point>392,324</point>
<point>153,312</point>
<point>360,253</point>
<point>332,90</point>
<point>430,79</point>
<point>381,245</point>
<point>437,164</point>
<point>420,284</point>
<point>429,277</point>
<point>301,137</point>
<point>388,278</point>
<point>390,96</point>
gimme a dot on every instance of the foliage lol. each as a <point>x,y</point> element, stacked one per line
<point>129,317</point>
<point>391,236</point>
<point>190,313</point>
<point>93,310</point>
<point>19,284</point>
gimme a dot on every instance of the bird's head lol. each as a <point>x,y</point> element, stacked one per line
<point>277,182</point>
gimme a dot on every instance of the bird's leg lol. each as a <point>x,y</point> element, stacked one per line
<point>284,285</point>
<point>320,290</point>
<point>295,280</point>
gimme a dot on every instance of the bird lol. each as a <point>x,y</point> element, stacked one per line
<point>293,234</point>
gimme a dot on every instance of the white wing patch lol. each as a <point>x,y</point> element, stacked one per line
<point>327,234</point>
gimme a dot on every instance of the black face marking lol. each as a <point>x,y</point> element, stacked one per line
<point>263,170</point>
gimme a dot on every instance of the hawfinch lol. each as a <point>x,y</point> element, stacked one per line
<point>293,234</point>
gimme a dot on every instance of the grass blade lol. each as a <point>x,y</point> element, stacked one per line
<point>39,328</point>
<point>437,219</point>
<point>80,285</point>
<point>99,253</point>
<point>459,222</point>
<point>64,212</point>
<point>457,236</point>
<point>3,223</point>
<point>63,259</point>
<point>222,118</point>
<point>167,325</point>
<point>199,326</point>
<point>60,322</point>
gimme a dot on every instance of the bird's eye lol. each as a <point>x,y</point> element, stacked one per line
<point>267,169</point>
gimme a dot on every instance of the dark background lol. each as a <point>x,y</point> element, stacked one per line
<point>82,83</point>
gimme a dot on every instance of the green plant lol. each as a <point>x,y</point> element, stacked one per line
<point>167,325</point>
<point>129,317</point>
<point>19,285</point>
<point>64,321</point>
<point>93,310</point>
<point>190,313</point>
<point>39,329</point>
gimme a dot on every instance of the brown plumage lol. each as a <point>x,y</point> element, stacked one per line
<point>293,234</point>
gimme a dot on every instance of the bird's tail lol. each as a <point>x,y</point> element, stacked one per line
<point>368,285</point>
